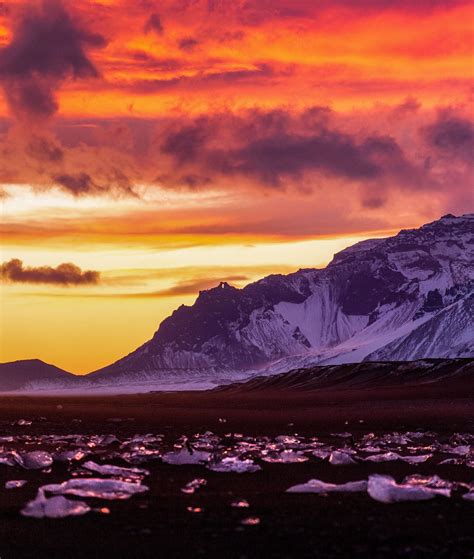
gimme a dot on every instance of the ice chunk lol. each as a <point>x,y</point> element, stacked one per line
<point>451,461</point>
<point>54,507</point>
<point>391,456</point>
<point>318,486</point>
<point>195,510</point>
<point>69,456</point>
<point>385,457</point>
<point>185,456</point>
<point>319,453</point>
<point>15,483</point>
<point>461,450</point>
<point>99,488</point>
<point>240,504</point>
<point>235,465</point>
<point>285,457</point>
<point>193,485</point>
<point>251,521</point>
<point>110,470</point>
<point>416,459</point>
<point>10,458</point>
<point>428,481</point>
<point>386,490</point>
<point>36,460</point>
<point>469,496</point>
<point>338,458</point>
<point>287,439</point>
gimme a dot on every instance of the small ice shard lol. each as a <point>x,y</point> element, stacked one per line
<point>251,521</point>
<point>285,457</point>
<point>110,470</point>
<point>240,504</point>
<point>15,483</point>
<point>385,457</point>
<point>106,440</point>
<point>338,458</point>
<point>195,510</point>
<point>323,454</point>
<point>185,456</point>
<point>235,465</point>
<point>11,458</point>
<point>433,481</point>
<point>461,450</point>
<point>318,486</point>
<point>69,456</point>
<point>416,459</point>
<point>54,507</point>
<point>191,487</point>
<point>287,439</point>
<point>385,490</point>
<point>99,488</point>
<point>23,422</point>
<point>451,461</point>
<point>222,420</point>
<point>141,456</point>
<point>36,460</point>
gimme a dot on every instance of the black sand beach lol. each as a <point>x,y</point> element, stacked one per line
<point>159,524</point>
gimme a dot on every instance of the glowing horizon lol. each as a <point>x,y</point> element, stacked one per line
<point>176,144</point>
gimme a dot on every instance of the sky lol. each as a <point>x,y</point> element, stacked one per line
<point>151,149</point>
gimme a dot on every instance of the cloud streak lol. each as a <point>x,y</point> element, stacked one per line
<point>66,274</point>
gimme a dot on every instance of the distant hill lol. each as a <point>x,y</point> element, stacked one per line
<point>356,376</point>
<point>27,373</point>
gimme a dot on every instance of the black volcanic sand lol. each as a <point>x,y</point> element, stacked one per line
<point>158,524</point>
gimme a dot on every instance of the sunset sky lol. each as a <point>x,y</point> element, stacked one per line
<point>159,147</point>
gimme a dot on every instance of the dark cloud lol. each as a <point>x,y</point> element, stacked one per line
<point>64,274</point>
<point>47,47</point>
<point>154,24</point>
<point>194,181</point>
<point>77,185</point>
<point>275,146</point>
<point>44,149</point>
<point>4,9</point>
<point>188,43</point>
<point>451,133</point>
<point>316,148</point>
<point>271,159</point>
<point>186,143</point>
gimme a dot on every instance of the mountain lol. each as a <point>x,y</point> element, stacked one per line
<point>29,373</point>
<point>404,297</point>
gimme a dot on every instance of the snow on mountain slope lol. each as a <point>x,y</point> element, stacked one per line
<point>404,297</point>
<point>449,333</point>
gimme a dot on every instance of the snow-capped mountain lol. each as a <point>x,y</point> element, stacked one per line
<point>406,297</point>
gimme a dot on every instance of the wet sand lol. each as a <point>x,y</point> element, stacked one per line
<point>158,523</point>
